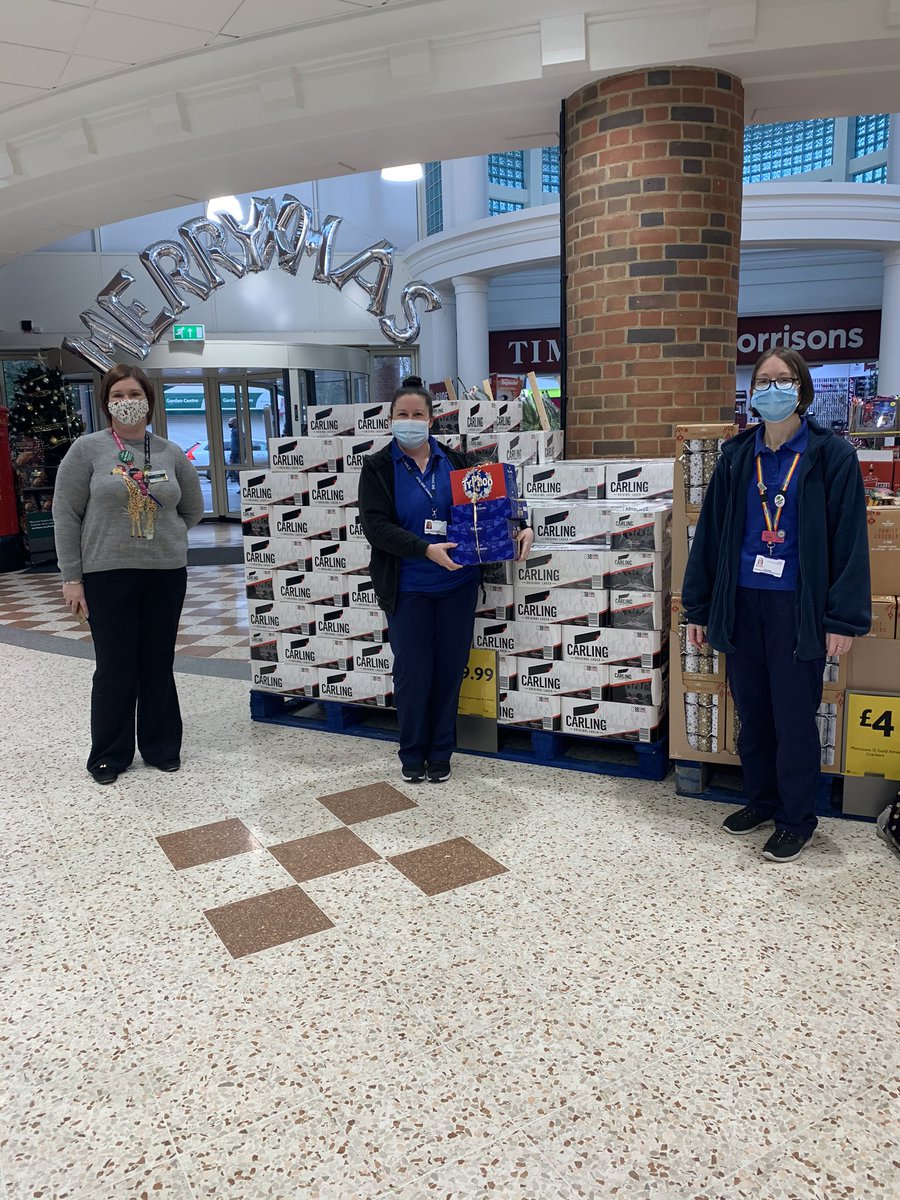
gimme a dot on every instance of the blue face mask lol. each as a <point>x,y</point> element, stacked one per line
<point>775,406</point>
<point>410,434</point>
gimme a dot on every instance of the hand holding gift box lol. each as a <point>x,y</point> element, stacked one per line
<point>486,516</point>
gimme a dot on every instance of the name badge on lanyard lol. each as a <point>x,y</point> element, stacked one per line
<point>433,527</point>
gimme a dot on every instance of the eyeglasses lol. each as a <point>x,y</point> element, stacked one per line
<point>780,385</point>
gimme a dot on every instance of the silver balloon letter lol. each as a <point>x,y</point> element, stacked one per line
<point>130,315</point>
<point>103,341</point>
<point>257,235</point>
<point>381,253</point>
<point>215,251</point>
<point>417,290</point>
<point>175,278</point>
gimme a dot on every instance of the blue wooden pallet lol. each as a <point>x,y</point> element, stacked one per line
<point>600,756</point>
<point>724,784</point>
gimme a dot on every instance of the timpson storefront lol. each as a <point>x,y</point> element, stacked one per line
<point>840,347</point>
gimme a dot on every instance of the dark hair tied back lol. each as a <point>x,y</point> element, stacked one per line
<point>412,381</point>
<point>410,388</point>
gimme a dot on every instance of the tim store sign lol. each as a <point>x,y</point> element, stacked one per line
<point>819,337</point>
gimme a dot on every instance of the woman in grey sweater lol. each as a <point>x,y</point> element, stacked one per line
<point>123,503</point>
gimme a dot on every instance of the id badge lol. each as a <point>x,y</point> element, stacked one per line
<point>768,566</point>
<point>435,528</point>
<point>156,477</point>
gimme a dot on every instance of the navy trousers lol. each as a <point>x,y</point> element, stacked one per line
<point>430,635</point>
<point>777,698</point>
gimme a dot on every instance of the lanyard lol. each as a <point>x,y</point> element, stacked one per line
<point>127,467</point>
<point>773,534</point>
<point>429,492</point>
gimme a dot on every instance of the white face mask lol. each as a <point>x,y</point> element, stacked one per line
<point>129,412</point>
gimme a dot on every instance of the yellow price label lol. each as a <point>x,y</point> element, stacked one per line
<point>478,694</point>
<point>872,744</point>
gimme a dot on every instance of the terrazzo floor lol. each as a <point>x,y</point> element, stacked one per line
<point>532,983</point>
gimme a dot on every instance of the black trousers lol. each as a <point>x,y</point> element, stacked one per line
<point>134,619</point>
<point>430,635</point>
<point>777,698</point>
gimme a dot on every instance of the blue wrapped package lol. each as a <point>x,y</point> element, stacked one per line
<point>505,508</point>
<point>488,541</point>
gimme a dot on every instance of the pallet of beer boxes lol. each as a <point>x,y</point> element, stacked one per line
<point>580,627</point>
<point>316,630</point>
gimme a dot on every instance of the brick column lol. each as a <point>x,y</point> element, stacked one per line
<point>653,175</point>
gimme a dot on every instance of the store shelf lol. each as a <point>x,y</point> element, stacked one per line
<point>599,756</point>
<point>725,785</point>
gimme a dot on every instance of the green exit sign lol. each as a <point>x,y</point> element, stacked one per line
<point>189,333</point>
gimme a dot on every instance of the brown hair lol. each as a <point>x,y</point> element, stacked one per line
<point>798,368</point>
<point>410,388</point>
<point>115,375</point>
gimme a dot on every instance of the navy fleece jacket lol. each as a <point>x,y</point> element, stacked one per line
<point>833,589</point>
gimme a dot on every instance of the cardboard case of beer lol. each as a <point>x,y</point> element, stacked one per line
<point>553,566</point>
<point>369,624</point>
<point>521,449</point>
<point>372,419</point>
<point>259,584</point>
<point>314,651</point>
<point>528,710</point>
<point>638,526</point>
<point>605,719</point>
<point>356,449</point>
<point>334,489</point>
<point>271,487</point>
<point>294,454</point>
<point>640,480</point>
<point>487,481</point>
<point>361,591</point>
<point>634,685</point>
<point>486,416</point>
<point>638,570</point>
<point>628,647</point>
<point>293,679</point>
<point>255,520</point>
<point>353,523</point>
<point>312,522</point>
<point>372,656</point>
<point>577,523</point>
<point>263,645</point>
<point>491,634</point>
<point>311,587</point>
<point>276,616</point>
<point>638,610</point>
<point>274,553</point>
<point>574,606</point>
<point>538,639</point>
<point>567,480</point>
<point>331,420</point>
<point>351,558</point>
<point>357,687</point>
<point>498,604</point>
<point>587,680</point>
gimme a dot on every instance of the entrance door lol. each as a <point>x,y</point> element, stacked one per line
<point>250,411</point>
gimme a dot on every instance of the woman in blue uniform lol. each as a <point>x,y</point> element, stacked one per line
<point>404,506</point>
<point>778,578</point>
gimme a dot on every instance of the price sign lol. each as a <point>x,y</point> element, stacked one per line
<point>478,694</point>
<point>873,735</point>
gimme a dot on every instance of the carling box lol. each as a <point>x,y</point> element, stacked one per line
<point>293,679</point>
<point>577,523</point>
<point>370,624</point>
<point>357,687</point>
<point>314,651</point>
<point>638,610</point>
<point>263,645</point>
<point>634,685</point>
<point>255,520</point>
<point>528,710</point>
<point>293,454</point>
<point>639,570</point>
<point>334,489</point>
<point>372,419</point>
<point>567,480</point>
<point>574,606</point>
<point>498,604</point>
<point>277,616</point>
<point>587,680</point>
<point>494,635</point>
<point>360,591</point>
<point>372,656</point>
<point>354,525</point>
<point>485,416</point>
<point>355,449</point>
<point>311,587</point>
<point>273,553</point>
<point>647,479</point>
<point>602,719</point>
<point>553,566</point>
<point>311,522</point>
<point>271,487</point>
<point>331,420</point>
<point>630,647</point>
<point>259,584</point>
<point>524,447</point>
<point>538,639</point>
<point>638,526</point>
<point>351,558</point>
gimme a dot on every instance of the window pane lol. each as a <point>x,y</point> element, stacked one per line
<point>871,134</point>
<point>507,170</point>
<point>503,206</point>
<point>873,175</point>
<point>550,169</point>
<point>789,148</point>
<point>434,199</point>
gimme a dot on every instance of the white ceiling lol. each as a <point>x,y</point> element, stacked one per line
<point>112,108</point>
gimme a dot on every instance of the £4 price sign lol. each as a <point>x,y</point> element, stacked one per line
<point>873,735</point>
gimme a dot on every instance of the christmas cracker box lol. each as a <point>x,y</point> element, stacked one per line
<point>357,687</point>
<point>294,454</point>
<point>331,420</point>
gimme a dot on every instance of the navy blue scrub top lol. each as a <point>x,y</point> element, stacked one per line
<point>775,466</point>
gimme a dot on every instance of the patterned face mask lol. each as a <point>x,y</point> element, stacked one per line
<point>129,412</point>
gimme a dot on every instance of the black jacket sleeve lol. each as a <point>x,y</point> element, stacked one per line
<point>378,518</point>
<point>703,561</point>
<point>848,607</point>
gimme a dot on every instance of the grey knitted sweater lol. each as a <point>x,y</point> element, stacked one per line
<point>90,508</point>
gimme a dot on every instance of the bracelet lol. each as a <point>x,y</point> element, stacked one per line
<point>72,582</point>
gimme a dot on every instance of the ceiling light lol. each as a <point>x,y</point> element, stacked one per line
<point>408,174</point>
<point>226,204</point>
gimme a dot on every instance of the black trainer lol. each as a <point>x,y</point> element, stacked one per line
<point>438,772</point>
<point>745,820</point>
<point>413,774</point>
<point>784,847</point>
<point>169,766</point>
<point>104,773</point>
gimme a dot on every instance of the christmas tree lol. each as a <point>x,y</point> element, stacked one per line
<point>45,407</point>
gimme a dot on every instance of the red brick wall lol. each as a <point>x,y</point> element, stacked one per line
<point>653,176</point>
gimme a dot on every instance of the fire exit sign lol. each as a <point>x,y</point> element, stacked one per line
<point>189,333</point>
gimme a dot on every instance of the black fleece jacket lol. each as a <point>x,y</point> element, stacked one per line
<point>378,516</point>
<point>833,590</point>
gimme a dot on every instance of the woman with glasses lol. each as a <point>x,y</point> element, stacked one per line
<point>778,579</point>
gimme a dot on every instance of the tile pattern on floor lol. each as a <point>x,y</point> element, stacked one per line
<point>639,1007</point>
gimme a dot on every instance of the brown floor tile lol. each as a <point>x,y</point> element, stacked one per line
<point>203,651</point>
<point>207,843</point>
<point>446,865</point>
<point>323,854</point>
<point>248,926</point>
<point>364,803</point>
<point>185,638</point>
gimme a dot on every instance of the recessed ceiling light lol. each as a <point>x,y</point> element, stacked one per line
<point>408,174</point>
<point>226,204</point>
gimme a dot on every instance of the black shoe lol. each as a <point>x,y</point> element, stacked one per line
<point>104,773</point>
<point>414,774</point>
<point>745,820</point>
<point>170,765</point>
<point>438,772</point>
<point>784,847</point>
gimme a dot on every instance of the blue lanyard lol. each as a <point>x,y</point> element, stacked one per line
<point>430,493</point>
